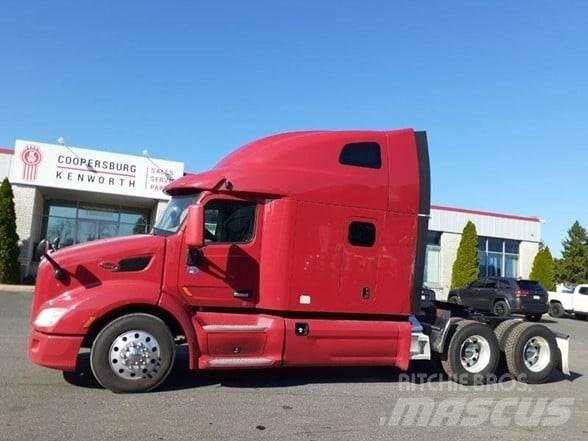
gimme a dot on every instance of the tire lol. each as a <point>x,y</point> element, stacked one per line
<point>133,353</point>
<point>454,299</point>
<point>556,310</point>
<point>460,362</point>
<point>501,308</point>
<point>531,367</point>
<point>503,330</point>
<point>533,317</point>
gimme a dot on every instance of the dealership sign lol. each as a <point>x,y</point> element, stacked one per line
<point>58,166</point>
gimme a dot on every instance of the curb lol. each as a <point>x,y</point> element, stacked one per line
<point>16,289</point>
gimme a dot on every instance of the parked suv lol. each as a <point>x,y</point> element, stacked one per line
<point>503,296</point>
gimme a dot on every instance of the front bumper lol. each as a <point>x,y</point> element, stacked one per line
<point>54,351</point>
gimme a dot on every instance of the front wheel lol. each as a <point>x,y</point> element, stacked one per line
<point>133,353</point>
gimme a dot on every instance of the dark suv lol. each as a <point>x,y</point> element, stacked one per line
<point>503,296</point>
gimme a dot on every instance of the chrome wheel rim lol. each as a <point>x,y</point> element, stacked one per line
<point>536,354</point>
<point>135,355</point>
<point>475,354</point>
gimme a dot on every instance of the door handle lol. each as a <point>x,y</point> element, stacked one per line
<point>242,294</point>
<point>365,293</point>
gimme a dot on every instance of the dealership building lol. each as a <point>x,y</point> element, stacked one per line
<point>79,195</point>
<point>507,244</point>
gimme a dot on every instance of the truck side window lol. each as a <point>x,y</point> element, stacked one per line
<point>362,234</point>
<point>583,290</point>
<point>227,221</point>
<point>361,154</point>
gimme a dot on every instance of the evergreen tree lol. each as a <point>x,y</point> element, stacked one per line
<point>466,267</point>
<point>572,268</point>
<point>9,264</point>
<point>543,269</point>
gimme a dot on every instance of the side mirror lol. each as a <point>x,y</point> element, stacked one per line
<point>195,227</point>
<point>42,249</point>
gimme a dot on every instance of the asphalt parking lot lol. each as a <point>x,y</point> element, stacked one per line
<point>285,404</point>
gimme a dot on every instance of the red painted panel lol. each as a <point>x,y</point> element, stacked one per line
<point>236,344</point>
<point>89,290</point>
<point>223,269</point>
<point>359,267</point>
<point>260,335</point>
<point>316,255</point>
<point>347,342</point>
<point>305,166</point>
<point>54,351</point>
<point>396,271</point>
<point>279,220</point>
<point>403,164</point>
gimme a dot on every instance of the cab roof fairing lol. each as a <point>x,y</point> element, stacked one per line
<point>297,164</point>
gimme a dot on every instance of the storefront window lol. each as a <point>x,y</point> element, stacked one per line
<point>511,265</point>
<point>433,260</point>
<point>78,223</point>
<point>498,257</point>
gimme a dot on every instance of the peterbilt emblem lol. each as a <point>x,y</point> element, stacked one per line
<point>31,157</point>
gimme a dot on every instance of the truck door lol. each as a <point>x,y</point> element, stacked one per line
<point>225,272</point>
<point>359,263</point>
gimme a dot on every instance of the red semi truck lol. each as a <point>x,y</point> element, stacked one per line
<point>299,249</point>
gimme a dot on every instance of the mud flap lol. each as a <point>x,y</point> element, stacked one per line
<point>563,344</point>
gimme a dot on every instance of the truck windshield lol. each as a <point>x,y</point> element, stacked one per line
<point>174,214</point>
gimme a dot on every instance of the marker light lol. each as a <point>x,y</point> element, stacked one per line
<point>49,316</point>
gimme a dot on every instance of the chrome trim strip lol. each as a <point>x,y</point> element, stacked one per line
<point>234,328</point>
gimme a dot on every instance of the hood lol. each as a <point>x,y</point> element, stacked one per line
<point>95,263</point>
<point>109,249</point>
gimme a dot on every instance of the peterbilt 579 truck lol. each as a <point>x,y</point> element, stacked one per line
<point>299,249</point>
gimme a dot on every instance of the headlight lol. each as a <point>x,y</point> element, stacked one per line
<point>49,316</point>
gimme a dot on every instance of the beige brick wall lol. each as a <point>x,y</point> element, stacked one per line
<point>527,253</point>
<point>449,246</point>
<point>4,165</point>
<point>28,204</point>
